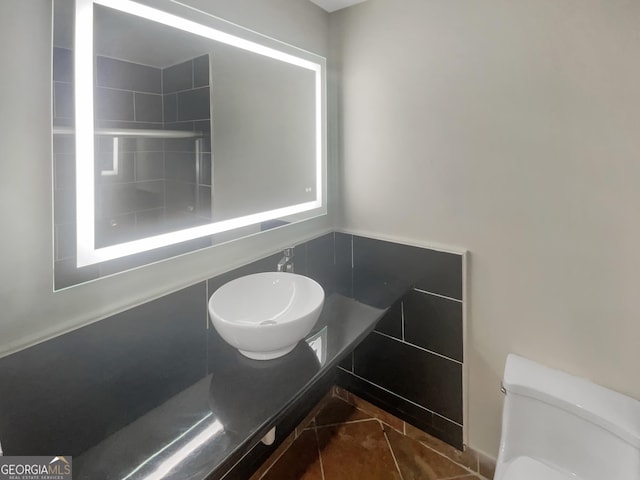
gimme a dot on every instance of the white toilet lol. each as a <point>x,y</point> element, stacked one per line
<point>559,427</point>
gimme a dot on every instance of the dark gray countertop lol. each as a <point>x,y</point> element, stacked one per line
<point>217,419</point>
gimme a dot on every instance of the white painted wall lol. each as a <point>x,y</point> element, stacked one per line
<point>29,310</point>
<point>511,128</point>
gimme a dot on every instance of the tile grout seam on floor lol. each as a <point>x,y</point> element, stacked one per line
<point>319,450</point>
<point>393,454</point>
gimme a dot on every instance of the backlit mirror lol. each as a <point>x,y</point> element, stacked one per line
<point>182,131</point>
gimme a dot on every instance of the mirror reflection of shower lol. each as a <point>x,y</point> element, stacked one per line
<point>145,185</point>
<point>152,146</point>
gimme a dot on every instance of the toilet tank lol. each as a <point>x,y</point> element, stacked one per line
<point>568,423</point>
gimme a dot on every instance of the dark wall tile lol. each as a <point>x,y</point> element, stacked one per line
<point>170,107</point>
<point>123,75</point>
<point>204,201</point>
<point>63,100</point>
<point>117,199</point>
<point>131,144</point>
<point>437,426</point>
<point>426,379</point>
<point>448,431</point>
<point>180,196</point>
<point>343,259</point>
<point>186,125</point>
<point>180,217</point>
<point>300,260</point>
<point>179,144</point>
<point>148,107</point>
<point>444,276</point>
<point>194,104</point>
<point>320,262</point>
<point>63,122</point>
<point>347,362</point>
<point>205,169</point>
<point>204,126</point>
<point>64,205</point>
<point>434,323</point>
<point>62,65</point>
<point>177,77</point>
<point>384,271</point>
<point>391,323</point>
<point>114,230</point>
<point>201,71</point>
<point>64,167</point>
<point>180,166</point>
<point>104,144</point>
<point>64,143</point>
<point>70,392</point>
<point>113,104</point>
<point>150,222</point>
<point>149,165</point>
<point>128,124</point>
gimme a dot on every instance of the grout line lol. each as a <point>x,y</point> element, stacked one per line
<point>419,347</point>
<point>135,119</point>
<point>315,431</point>
<point>393,455</point>
<point>334,249</point>
<point>352,270</point>
<point>350,422</point>
<point>470,470</point>
<point>451,460</point>
<point>193,74</point>
<point>399,396</point>
<point>437,295</point>
<point>465,350</point>
<point>352,256</point>
<point>402,319</point>
<point>118,89</point>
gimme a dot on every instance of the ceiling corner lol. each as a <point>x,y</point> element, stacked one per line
<point>334,5</point>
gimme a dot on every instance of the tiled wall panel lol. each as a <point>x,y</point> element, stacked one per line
<point>68,393</point>
<point>428,380</point>
<point>433,323</point>
<point>412,364</point>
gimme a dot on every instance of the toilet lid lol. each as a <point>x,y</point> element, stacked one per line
<point>526,468</point>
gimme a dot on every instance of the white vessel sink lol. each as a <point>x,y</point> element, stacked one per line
<point>265,315</point>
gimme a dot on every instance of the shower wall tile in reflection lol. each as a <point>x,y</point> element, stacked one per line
<point>130,76</point>
<point>178,77</point>
<point>148,107</point>
<point>161,184</point>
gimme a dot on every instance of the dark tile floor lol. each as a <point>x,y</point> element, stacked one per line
<point>344,442</point>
